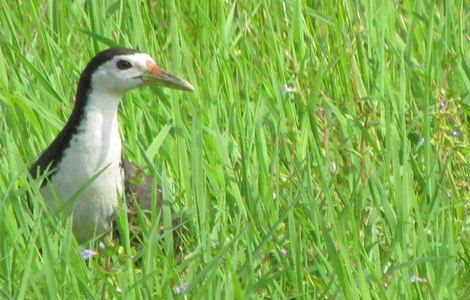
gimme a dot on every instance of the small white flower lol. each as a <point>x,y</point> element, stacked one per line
<point>284,252</point>
<point>86,254</point>
<point>119,290</point>
<point>180,289</point>
<point>287,89</point>
<point>421,142</point>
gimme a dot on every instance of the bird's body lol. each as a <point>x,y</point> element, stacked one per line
<point>86,175</point>
<point>90,167</point>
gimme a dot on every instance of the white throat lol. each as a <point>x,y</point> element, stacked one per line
<point>98,132</point>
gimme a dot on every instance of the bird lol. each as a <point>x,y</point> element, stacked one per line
<point>83,170</point>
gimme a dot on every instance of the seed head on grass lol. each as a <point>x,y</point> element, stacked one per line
<point>417,279</point>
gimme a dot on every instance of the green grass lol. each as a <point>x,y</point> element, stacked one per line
<point>344,187</point>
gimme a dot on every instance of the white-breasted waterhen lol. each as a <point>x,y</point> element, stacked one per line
<point>84,163</point>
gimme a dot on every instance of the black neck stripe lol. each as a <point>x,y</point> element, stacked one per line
<point>53,154</point>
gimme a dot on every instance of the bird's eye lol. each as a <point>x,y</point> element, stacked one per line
<point>123,65</point>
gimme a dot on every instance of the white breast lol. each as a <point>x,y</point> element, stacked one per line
<point>89,179</point>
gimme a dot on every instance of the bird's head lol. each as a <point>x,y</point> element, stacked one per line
<point>118,70</point>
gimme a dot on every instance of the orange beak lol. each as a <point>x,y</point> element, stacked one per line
<point>156,75</point>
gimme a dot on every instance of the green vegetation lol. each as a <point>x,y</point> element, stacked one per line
<point>324,154</point>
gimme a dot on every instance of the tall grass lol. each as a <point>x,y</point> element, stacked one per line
<point>324,154</point>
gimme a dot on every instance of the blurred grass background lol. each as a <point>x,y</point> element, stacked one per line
<point>324,154</point>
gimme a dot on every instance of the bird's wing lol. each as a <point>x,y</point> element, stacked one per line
<point>138,187</point>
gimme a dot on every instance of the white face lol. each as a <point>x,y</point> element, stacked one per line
<point>122,73</point>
